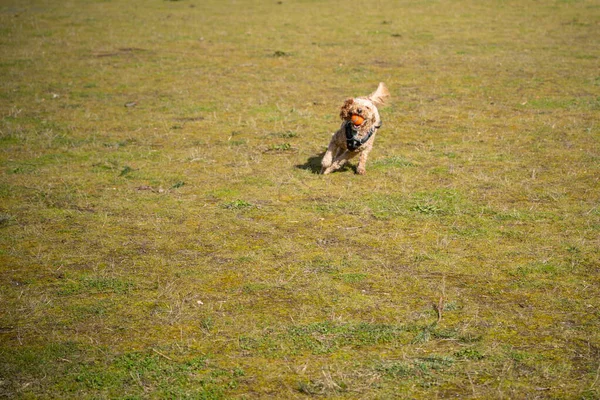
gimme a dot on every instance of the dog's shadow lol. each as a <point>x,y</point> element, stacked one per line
<point>313,164</point>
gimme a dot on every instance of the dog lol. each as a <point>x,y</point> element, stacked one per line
<point>360,123</point>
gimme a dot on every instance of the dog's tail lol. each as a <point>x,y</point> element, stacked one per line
<point>380,96</point>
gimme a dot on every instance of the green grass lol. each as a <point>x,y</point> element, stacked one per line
<point>164,232</point>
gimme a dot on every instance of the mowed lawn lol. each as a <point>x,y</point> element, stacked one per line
<point>164,231</point>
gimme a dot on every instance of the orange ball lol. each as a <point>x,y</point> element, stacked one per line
<point>357,119</point>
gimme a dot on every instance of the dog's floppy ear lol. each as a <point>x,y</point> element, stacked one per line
<point>345,111</point>
<point>380,96</point>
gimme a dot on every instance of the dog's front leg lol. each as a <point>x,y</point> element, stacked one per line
<point>361,169</point>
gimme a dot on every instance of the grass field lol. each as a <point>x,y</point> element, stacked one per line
<point>164,232</point>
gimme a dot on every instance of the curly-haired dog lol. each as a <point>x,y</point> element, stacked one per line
<point>360,122</point>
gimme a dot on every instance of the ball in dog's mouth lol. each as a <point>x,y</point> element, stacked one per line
<point>357,119</point>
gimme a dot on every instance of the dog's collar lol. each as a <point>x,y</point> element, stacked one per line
<point>352,141</point>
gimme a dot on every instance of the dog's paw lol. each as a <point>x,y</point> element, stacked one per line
<point>361,171</point>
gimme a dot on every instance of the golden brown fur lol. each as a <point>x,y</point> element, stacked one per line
<point>338,152</point>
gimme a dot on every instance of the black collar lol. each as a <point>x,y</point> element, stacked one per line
<point>352,141</point>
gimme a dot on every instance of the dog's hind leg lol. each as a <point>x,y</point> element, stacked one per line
<point>330,154</point>
<point>339,162</point>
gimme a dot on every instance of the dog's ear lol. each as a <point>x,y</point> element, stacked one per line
<point>345,111</point>
<point>380,96</point>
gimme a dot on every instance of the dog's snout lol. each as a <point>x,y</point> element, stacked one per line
<point>359,111</point>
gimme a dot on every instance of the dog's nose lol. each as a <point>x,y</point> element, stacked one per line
<point>359,111</point>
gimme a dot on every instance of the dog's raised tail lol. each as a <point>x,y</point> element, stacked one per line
<point>381,95</point>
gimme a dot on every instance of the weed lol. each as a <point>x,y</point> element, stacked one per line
<point>279,53</point>
<point>469,353</point>
<point>327,337</point>
<point>437,362</point>
<point>5,219</point>
<point>393,162</point>
<point>207,324</point>
<point>280,147</point>
<point>126,170</point>
<point>395,369</point>
<point>288,134</point>
<point>94,284</point>
<point>324,386</point>
<point>237,205</point>
<point>426,209</point>
<point>352,278</point>
<point>420,369</point>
